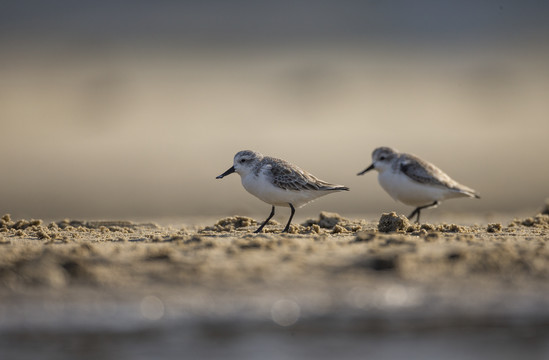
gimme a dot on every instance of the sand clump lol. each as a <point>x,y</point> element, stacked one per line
<point>326,220</point>
<point>234,223</point>
<point>391,222</point>
<point>7,223</point>
<point>538,221</point>
<point>67,231</point>
<point>334,222</point>
<point>493,228</point>
<point>111,225</point>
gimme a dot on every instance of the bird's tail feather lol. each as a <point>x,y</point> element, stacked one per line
<point>339,188</point>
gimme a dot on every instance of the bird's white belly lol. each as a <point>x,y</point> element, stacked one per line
<point>408,192</point>
<point>264,190</point>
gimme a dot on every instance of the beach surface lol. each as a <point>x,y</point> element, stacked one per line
<point>330,280</point>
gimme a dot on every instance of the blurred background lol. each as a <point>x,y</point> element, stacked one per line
<point>118,109</point>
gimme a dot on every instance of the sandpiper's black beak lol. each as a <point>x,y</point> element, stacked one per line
<point>228,172</point>
<point>371,167</point>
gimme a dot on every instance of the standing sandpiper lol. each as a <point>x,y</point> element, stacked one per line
<point>414,181</point>
<point>277,182</point>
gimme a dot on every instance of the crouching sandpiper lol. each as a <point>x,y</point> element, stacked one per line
<point>414,181</point>
<point>277,182</point>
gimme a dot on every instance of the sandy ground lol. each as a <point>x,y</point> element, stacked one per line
<point>323,266</point>
<point>332,287</point>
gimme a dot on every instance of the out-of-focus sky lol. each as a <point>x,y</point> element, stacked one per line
<point>123,109</point>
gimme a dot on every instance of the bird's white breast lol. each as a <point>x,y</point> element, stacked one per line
<point>261,187</point>
<point>409,192</point>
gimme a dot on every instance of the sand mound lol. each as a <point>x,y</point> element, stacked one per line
<point>67,231</point>
<point>112,225</point>
<point>538,221</point>
<point>326,220</point>
<point>391,222</point>
<point>334,222</point>
<point>493,228</point>
<point>233,223</point>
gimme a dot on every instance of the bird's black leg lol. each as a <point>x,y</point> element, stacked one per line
<point>290,220</point>
<point>416,211</point>
<point>266,221</point>
<point>419,208</point>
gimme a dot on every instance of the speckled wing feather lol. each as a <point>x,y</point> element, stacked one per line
<point>425,173</point>
<point>290,177</point>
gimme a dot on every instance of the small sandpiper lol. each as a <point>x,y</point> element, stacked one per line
<point>414,181</point>
<point>277,182</point>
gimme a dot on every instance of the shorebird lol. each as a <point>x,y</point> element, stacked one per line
<point>277,182</point>
<point>414,181</point>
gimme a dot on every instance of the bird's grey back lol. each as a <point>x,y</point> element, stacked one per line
<point>424,172</point>
<point>290,177</point>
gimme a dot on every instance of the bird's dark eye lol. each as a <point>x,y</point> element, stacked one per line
<point>242,161</point>
<point>382,158</point>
